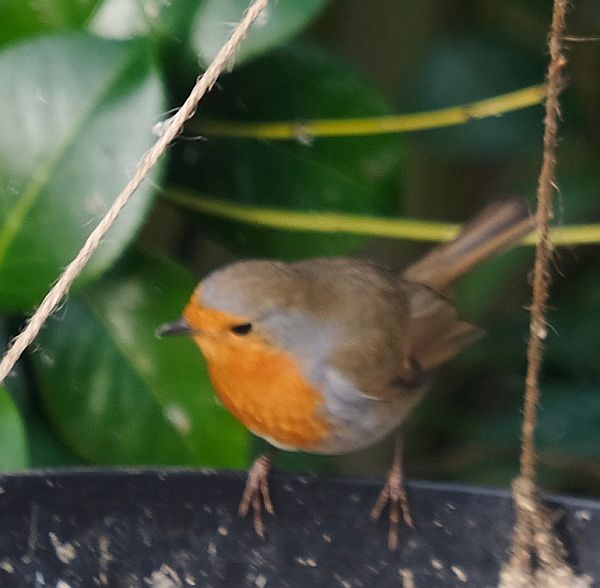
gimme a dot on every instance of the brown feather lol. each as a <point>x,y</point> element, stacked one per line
<point>386,333</point>
<point>496,228</point>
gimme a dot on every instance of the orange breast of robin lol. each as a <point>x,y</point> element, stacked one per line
<point>260,385</point>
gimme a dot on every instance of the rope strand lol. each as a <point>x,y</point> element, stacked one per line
<point>221,62</point>
<point>544,248</point>
<point>538,556</point>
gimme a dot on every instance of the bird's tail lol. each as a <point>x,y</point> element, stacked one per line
<point>496,228</point>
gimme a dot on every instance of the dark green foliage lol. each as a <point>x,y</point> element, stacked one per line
<point>81,85</point>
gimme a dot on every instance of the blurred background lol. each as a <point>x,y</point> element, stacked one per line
<point>83,84</point>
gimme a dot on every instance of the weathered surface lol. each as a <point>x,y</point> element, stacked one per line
<point>180,528</point>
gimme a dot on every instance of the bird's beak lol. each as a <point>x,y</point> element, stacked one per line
<point>180,327</point>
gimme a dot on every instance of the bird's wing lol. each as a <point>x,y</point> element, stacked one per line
<point>396,347</point>
<point>390,334</point>
<point>437,334</point>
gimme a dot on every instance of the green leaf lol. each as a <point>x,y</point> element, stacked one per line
<point>127,19</point>
<point>570,419</point>
<point>76,114</point>
<point>45,449</point>
<point>13,446</point>
<point>462,69</point>
<point>350,174</point>
<point>280,21</point>
<point>498,287</point>
<point>116,393</point>
<point>15,381</point>
<point>569,422</point>
<point>22,18</point>
<point>574,333</point>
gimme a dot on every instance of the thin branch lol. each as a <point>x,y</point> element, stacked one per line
<point>373,125</point>
<point>408,229</point>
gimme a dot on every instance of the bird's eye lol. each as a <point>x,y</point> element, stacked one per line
<point>242,329</point>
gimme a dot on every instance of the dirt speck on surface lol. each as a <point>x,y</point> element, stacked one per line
<point>311,563</point>
<point>341,581</point>
<point>224,531</point>
<point>164,577</point>
<point>7,566</point>
<point>33,532</point>
<point>64,551</point>
<point>436,564</point>
<point>583,515</point>
<point>408,578</point>
<point>261,581</point>
<point>104,560</point>
<point>62,584</point>
<point>459,573</point>
<point>557,578</point>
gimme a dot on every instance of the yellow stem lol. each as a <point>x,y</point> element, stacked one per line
<point>334,222</point>
<point>376,125</point>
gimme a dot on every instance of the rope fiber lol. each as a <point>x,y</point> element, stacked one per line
<point>221,62</point>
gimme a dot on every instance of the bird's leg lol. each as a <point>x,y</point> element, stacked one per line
<point>394,493</point>
<point>256,492</point>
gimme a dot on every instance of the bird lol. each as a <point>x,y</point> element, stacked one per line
<point>330,355</point>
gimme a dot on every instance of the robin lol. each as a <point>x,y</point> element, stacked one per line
<point>330,355</point>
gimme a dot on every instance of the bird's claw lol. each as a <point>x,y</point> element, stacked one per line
<point>394,493</point>
<point>256,493</point>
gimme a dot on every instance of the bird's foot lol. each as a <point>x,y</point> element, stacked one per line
<point>256,493</point>
<point>394,492</point>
